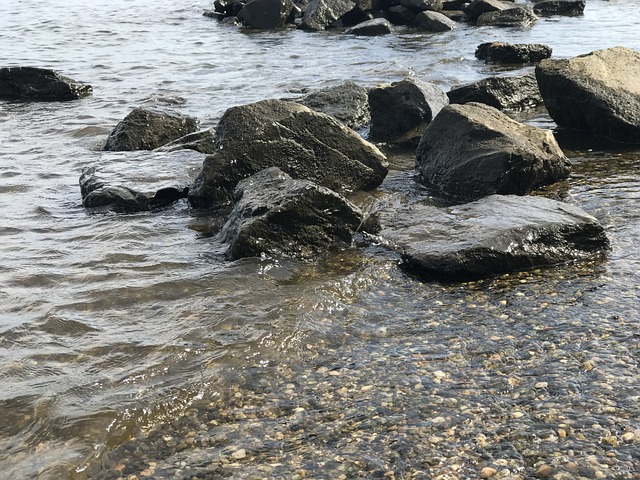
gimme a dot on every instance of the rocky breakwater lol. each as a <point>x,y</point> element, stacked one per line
<point>598,93</point>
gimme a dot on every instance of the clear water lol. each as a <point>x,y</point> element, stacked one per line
<point>111,325</point>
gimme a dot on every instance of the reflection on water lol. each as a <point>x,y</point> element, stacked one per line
<point>129,346</point>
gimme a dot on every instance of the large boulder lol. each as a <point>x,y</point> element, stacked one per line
<point>512,93</point>
<point>320,14</point>
<point>495,235</point>
<point>376,26</point>
<point>562,7</point>
<point>39,84</point>
<point>434,22</point>
<point>471,151</point>
<point>276,215</point>
<point>401,111</point>
<point>303,143</point>
<point>598,92</point>
<point>347,102</point>
<point>500,52</point>
<point>146,129</point>
<point>478,7</point>
<point>265,14</point>
<point>518,16</point>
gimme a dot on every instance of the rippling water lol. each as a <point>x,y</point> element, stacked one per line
<point>113,327</point>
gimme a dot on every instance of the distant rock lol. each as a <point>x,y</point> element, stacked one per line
<point>598,92</point>
<point>559,7</point>
<point>401,111</point>
<point>434,22</point>
<point>422,5</point>
<point>39,84</point>
<point>146,129</point>
<point>517,16</point>
<point>498,234</point>
<point>376,26</point>
<point>478,7</point>
<point>512,93</point>
<point>473,150</point>
<point>279,216</point>
<point>320,14</point>
<point>399,15</point>
<point>512,53</point>
<point>265,14</point>
<point>303,143</point>
<point>347,102</point>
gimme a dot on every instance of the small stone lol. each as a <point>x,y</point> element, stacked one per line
<point>487,472</point>
<point>541,385</point>
<point>562,433</point>
<point>628,437</point>
<point>544,471</point>
<point>239,454</point>
<point>589,365</point>
<point>610,440</point>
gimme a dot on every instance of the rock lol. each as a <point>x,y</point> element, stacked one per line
<point>422,5</point>
<point>202,141</point>
<point>39,84</point>
<point>145,129</point>
<point>277,215</point>
<point>377,26</point>
<point>598,92</point>
<point>555,7</point>
<point>265,14</point>
<point>434,22</point>
<point>512,53</point>
<point>320,14</point>
<point>229,8</point>
<point>454,4</point>
<point>478,7</point>
<point>500,92</point>
<point>401,111</point>
<point>96,193</point>
<point>303,143</point>
<point>518,16</point>
<point>495,235</point>
<point>399,15</point>
<point>473,150</point>
<point>347,102</point>
<point>488,472</point>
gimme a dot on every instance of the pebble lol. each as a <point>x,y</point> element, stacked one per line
<point>488,472</point>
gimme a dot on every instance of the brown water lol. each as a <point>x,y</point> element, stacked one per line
<point>115,325</point>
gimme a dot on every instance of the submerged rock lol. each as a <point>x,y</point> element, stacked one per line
<point>495,235</point>
<point>146,129</point>
<point>598,92</point>
<point>277,215</point>
<point>39,84</point>
<point>303,143</point>
<point>473,150</point>
<point>517,16</point>
<point>512,53</point>
<point>347,102</point>
<point>401,111</point>
<point>500,92</point>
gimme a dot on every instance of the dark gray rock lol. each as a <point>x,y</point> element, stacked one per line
<point>279,216</point>
<point>498,234</point>
<point>512,93</point>
<point>228,8</point>
<point>146,129</point>
<point>434,22</point>
<point>96,193</point>
<point>478,7</point>
<point>559,7</point>
<point>377,26</point>
<point>598,92</point>
<point>399,15</point>
<point>422,5</point>
<point>202,141</point>
<point>265,14</point>
<point>401,111</point>
<point>348,102</point>
<point>471,151</point>
<point>512,53</point>
<point>454,4</point>
<point>321,14</point>
<point>39,84</point>
<point>303,143</point>
<point>518,16</point>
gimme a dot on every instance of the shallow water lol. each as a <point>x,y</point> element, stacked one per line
<point>129,346</point>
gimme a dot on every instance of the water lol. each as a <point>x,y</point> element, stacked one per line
<point>121,330</point>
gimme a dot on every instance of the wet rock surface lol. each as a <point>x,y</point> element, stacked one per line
<point>500,92</point>
<point>376,26</point>
<point>495,235</point>
<point>347,102</point>
<point>319,14</point>
<point>479,7</point>
<point>274,214</point>
<point>146,129</point>
<point>39,84</point>
<point>303,143</point>
<point>559,7</point>
<point>518,16</point>
<point>434,22</point>
<point>598,92</point>
<point>499,52</point>
<point>265,14</point>
<point>202,141</point>
<point>473,150</point>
